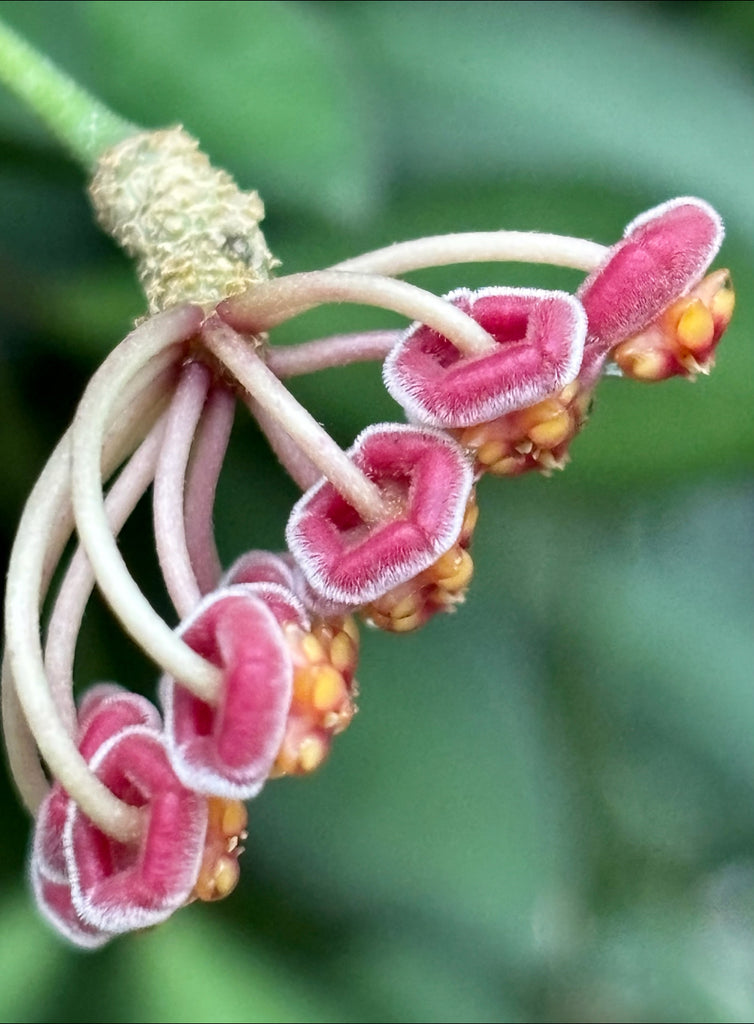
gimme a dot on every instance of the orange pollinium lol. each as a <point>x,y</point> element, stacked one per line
<point>226,831</point>
<point>534,438</point>
<point>324,692</point>
<point>438,588</point>
<point>683,340</point>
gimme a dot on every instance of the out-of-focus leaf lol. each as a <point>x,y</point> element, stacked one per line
<point>92,310</point>
<point>672,645</point>
<point>32,958</point>
<point>652,640</point>
<point>448,799</point>
<point>654,962</point>
<point>413,979</point>
<point>45,222</point>
<point>572,89</point>
<point>270,88</point>
<point>196,971</point>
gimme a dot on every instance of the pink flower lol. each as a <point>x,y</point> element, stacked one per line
<point>228,749</point>
<point>119,886</point>
<point>516,408</point>
<point>426,481</point>
<point>324,653</point>
<point>90,886</point>
<point>540,340</point>
<point>647,302</point>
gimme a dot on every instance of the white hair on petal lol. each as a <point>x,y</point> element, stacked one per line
<point>312,562</point>
<point>118,919</point>
<point>411,394</point>
<point>240,783</point>
<point>76,931</point>
<point>672,204</point>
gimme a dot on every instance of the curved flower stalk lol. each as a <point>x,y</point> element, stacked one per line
<point>258,669</point>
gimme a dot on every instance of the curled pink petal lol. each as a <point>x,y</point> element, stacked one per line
<point>663,254</point>
<point>48,873</point>
<point>267,567</point>
<point>47,854</point>
<point>274,579</point>
<point>317,605</point>
<point>104,711</point>
<point>228,750</point>
<point>540,336</point>
<point>261,567</point>
<point>287,608</point>
<point>115,886</point>
<point>425,477</point>
<point>55,903</point>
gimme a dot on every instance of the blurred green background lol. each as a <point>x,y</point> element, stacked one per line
<point>543,811</point>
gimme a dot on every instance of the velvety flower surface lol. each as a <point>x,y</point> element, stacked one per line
<point>87,885</point>
<point>324,652</point>
<point>49,875</point>
<point>425,480</point>
<point>540,340</point>
<point>259,566</point>
<point>662,256</point>
<point>120,886</point>
<point>228,749</point>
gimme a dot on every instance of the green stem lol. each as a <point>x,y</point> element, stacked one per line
<point>80,122</point>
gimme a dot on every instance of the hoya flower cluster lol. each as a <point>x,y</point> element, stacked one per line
<point>141,809</point>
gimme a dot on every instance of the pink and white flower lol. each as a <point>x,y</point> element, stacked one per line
<point>228,749</point>
<point>646,303</point>
<point>425,480</point>
<point>89,885</point>
<point>539,339</point>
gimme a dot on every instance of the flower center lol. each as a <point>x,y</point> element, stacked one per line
<point>226,830</point>
<point>323,694</point>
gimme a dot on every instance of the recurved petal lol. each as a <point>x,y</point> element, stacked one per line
<point>261,567</point>
<point>121,886</point>
<point>55,903</point>
<point>663,254</point>
<point>228,749</point>
<point>106,709</point>
<point>540,341</point>
<point>426,480</point>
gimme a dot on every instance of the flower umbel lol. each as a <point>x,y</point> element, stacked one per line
<point>141,815</point>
